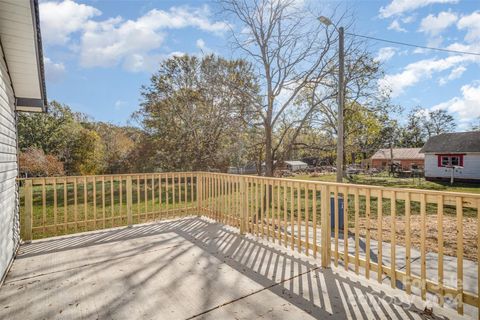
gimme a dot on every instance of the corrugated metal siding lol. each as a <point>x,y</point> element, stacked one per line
<point>9,236</point>
<point>471,167</point>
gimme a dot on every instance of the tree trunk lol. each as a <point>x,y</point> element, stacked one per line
<point>268,152</point>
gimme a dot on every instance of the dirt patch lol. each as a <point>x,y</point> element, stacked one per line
<point>432,245</point>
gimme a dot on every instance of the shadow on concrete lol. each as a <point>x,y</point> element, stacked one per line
<point>183,269</point>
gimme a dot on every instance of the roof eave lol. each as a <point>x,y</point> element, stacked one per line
<point>39,50</point>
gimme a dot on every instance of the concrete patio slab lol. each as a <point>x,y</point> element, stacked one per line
<point>190,268</point>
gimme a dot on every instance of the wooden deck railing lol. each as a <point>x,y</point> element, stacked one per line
<point>63,205</point>
<point>292,213</point>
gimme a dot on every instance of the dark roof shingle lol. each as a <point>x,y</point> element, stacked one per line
<point>453,142</point>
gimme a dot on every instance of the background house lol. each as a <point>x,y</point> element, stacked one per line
<point>295,165</point>
<point>459,151</point>
<point>406,158</point>
<point>22,88</point>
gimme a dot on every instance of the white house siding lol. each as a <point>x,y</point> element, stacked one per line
<point>9,236</point>
<point>470,170</point>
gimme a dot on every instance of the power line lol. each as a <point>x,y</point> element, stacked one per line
<point>413,45</point>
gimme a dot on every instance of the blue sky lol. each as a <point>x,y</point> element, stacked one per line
<point>99,53</point>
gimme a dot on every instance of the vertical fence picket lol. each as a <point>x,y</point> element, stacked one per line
<point>129,201</point>
<point>112,202</point>
<point>367,237</point>
<point>314,220</point>
<point>357,236</point>
<point>380,235</point>
<point>423,253</point>
<point>145,196</point>
<point>408,277</point>
<point>85,203</point>
<point>326,230</point>
<point>307,218</point>
<point>103,202</point>
<point>345,228</point>
<point>160,198</point>
<point>28,210</point>
<point>441,299</point>
<point>336,222</point>
<point>154,205</point>
<point>299,218</point>
<point>459,209</point>
<point>120,200</point>
<point>94,191</point>
<point>44,206</point>
<point>75,204</point>
<point>285,227</point>
<point>167,198</point>
<point>65,206</point>
<point>292,216</point>
<point>55,222</point>
<point>257,222</point>
<point>393,239</point>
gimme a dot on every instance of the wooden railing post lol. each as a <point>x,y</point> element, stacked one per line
<point>129,201</point>
<point>326,228</point>
<point>28,210</point>
<point>243,206</point>
<point>199,191</point>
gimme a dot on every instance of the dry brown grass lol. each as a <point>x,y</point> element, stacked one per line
<point>432,245</point>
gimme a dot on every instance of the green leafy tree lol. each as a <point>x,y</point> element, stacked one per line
<point>413,134</point>
<point>86,153</point>
<point>118,143</point>
<point>191,111</point>
<point>51,132</point>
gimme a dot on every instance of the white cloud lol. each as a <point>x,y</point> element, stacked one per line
<point>204,49</point>
<point>408,19</point>
<point>397,7</point>
<point>434,25</point>
<point>119,104</point>
<point>454,74</point>
<point>147,62</point>
<point>466,107</point>
<point>472,24</point>
<point>385,54</point>
<point>200,44</point>
<point>421,70</point>
<point>60,19</point>
<point>131,42</point>
<point>134,44</point>
<point>395,25</point>
<point>53,71</point>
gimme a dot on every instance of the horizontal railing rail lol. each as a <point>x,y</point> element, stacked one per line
<point>404,236</point>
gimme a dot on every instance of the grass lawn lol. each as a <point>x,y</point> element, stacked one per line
<point>386,181</point>
<point>64,210</point>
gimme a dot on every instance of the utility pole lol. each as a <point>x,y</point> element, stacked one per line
<point>341,104</point>
<point>341,95</point>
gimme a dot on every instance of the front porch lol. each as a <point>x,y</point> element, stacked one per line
<point>184,269</point>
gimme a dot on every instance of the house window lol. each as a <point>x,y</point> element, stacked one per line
<point>450,160</point>
<point>445,161</point>
<point>455,161</point>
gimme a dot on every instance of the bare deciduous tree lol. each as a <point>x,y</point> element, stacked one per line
<point>289,49</point>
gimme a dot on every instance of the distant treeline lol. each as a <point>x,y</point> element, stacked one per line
<point>201,113</point>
